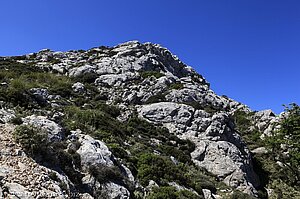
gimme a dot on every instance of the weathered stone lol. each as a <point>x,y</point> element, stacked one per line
<point>93,152</point>
<point>78,87</point>
<point>6,115</point>
<point>55,132</point>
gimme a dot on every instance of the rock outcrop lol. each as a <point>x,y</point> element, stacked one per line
<point>143,80</point>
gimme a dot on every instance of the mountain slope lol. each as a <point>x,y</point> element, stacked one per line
<point>131,121</point>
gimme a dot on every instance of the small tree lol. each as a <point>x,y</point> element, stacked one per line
<point>285,143</point>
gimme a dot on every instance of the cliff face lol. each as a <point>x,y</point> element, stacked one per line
<point>93,123</point>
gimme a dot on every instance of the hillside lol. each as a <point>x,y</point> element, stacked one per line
<point>132,121</point>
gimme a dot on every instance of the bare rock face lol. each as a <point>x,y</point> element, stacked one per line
<point>55,132</point>
<point>78,87</point>
<point>218,148</point>
<point>95,153</point>
<point>147,80</point>
<point>6,115</point>
<point>266,121</point>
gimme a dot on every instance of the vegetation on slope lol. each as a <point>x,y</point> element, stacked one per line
<point>151,152</point>
<point>279,168</point>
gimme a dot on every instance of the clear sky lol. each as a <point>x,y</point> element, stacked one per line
<point>248,50</point>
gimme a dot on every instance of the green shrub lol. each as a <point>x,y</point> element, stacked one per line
<point>155,74</point>
<point>21,77</point>
<point>92,121</point>
<point>118,151</point>
<point>200,179</point>
<point>180,155</point>
<point>160,169</point>
<point>176,86</point>
<point>288,136</point>
<point>196,105</point>
<point>242,120</point>
<point>163,193</point>
<point>53,176</point>
<point>169,192</point>
<point>111,110</point>
<point>16,120</point>
<point>238,195</point>
<point>185,194</point>
<point>207,108</point>
<point>104,174</point>
<point>34,141</point>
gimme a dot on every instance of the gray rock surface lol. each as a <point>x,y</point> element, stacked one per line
<point>93,152</point>
<point>55,132</point>
<point>150,80</point>
<point>218,148</point>
<point>6,115</point>
<point>78,87</point>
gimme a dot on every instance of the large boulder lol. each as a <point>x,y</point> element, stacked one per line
<point>93,152</point>
<point>54,130</point>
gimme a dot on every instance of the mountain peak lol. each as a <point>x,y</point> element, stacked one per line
<point>114,110</point>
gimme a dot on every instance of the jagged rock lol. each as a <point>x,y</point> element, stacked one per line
<point>174,96</point>
<point>86,196</point>
<point>115,191</point>
<point>226,161</point>
<point>207,194</point>
<point>218,148</point>
<point>93,152</point>
<point>109,190</point>
<point>40,95</point>
<point>78,87</point>
<point>79,71</point>
<point>114,79</point>
<point>6,115</point>
<point>260,150</point>
<point>55,132</point>
<point>267,122</point>
<point>175,116</point>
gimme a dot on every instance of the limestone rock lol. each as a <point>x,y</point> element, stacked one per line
<point>78,87</point>
<point>6,115</point>
<point>93,152</point>
<point>115,191</point>
<point>218,148</point>
<point>55,132</point>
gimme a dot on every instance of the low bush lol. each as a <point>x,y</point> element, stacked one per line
<point>160,169</point>
<point>92,121</point>
<point>104,174</point>
<point>35,143</point>
<point>169,192</point>
<point>155,74</point>
<point>238,195</point>
<point>176,86</point>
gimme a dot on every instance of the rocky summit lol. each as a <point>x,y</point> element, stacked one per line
<point>130,121</point>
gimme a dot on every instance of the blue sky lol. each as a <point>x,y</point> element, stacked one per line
<point>248,50</point>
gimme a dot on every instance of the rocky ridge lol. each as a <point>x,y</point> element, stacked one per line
<point>144,80</point>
